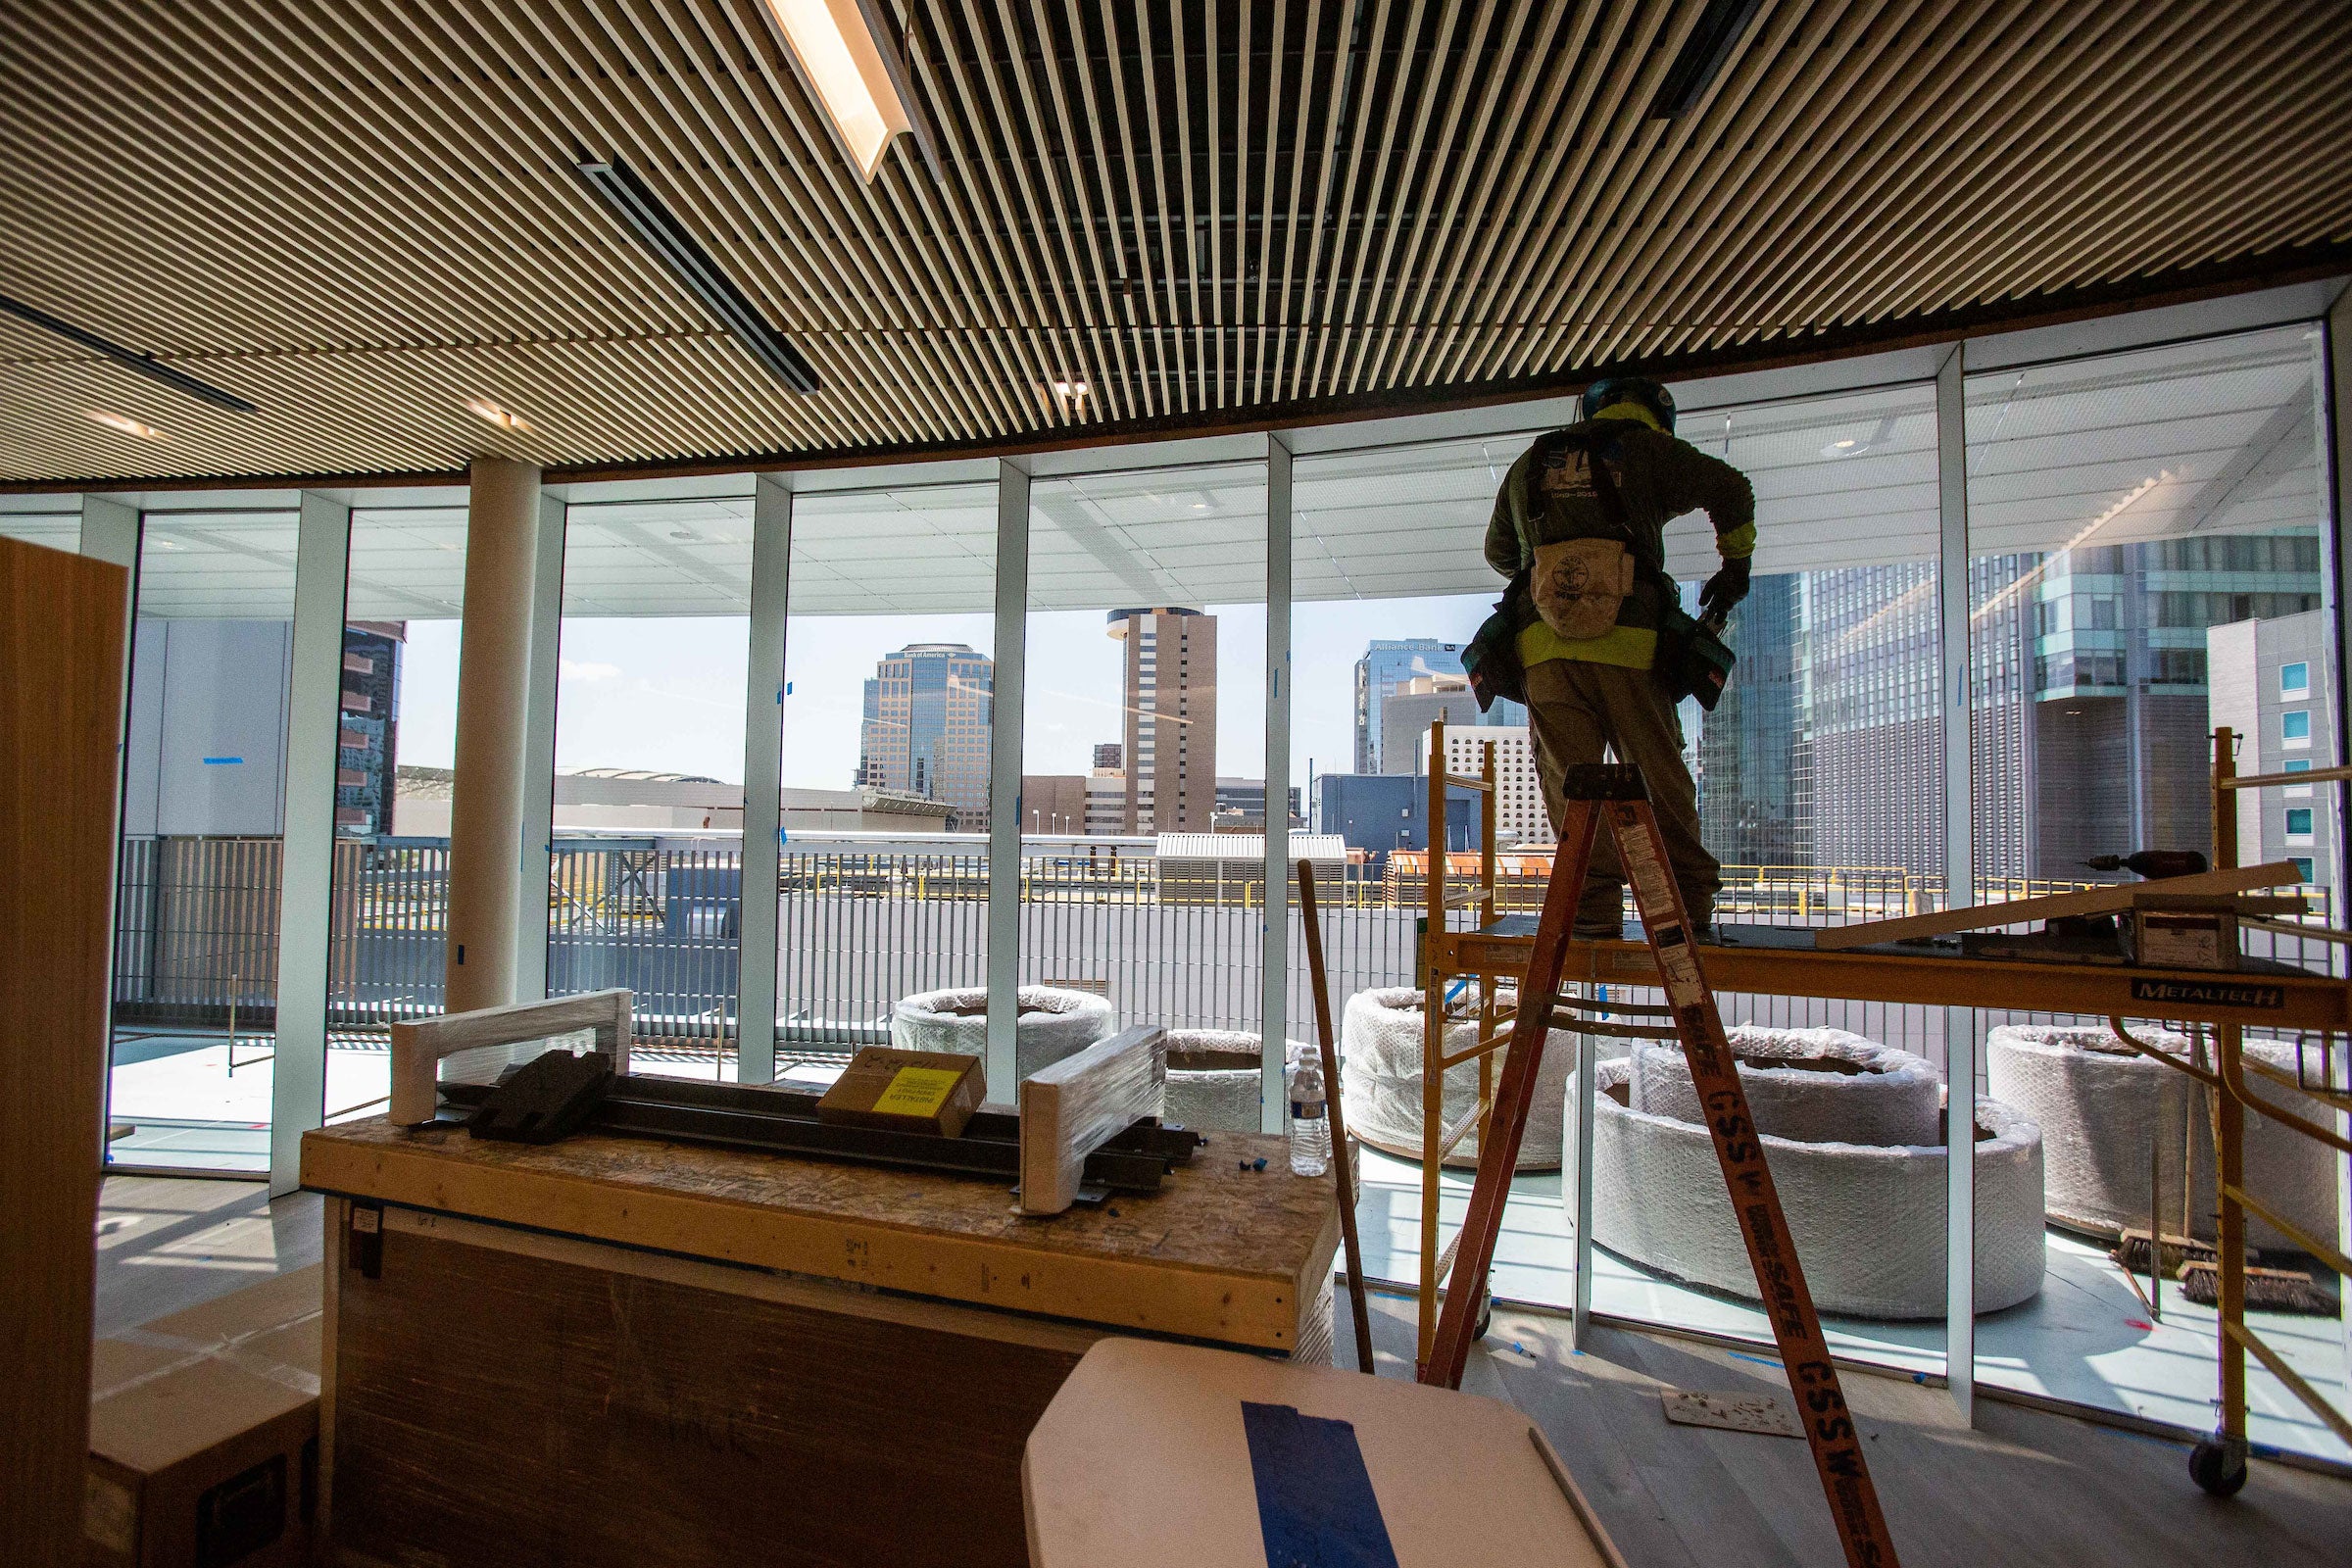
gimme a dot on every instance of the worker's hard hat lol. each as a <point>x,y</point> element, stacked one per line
<point>1639,390</point>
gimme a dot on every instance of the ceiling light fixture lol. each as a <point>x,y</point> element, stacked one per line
<point>505,419</point>
<point>1710,43</point>
<point>659,231</point>
<point>847,56</point>
<point>125,424</point>
<point>147,364</point>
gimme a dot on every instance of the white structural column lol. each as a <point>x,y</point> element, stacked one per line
<point>494,670</point>
<point>1959,879</point>
<point>539,751</point>
<point>762,780</point>
<point>1273,1104</point>
<point>1007,710</point>
<point>307,874</point>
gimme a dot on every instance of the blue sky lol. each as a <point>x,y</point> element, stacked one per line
<point>668,694</point>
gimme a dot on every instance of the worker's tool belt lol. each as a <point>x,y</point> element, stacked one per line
<point>1580,584</point>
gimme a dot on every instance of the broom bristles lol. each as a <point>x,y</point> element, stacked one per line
<point>2267,1290</point>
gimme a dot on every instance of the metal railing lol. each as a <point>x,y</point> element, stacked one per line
<point>862,924</point>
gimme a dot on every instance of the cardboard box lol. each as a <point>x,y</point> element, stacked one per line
<point>907,1091</point>
<point>203,1433</point>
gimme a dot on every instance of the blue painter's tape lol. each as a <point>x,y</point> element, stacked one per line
<point>1315,1505</point>
<point>224,762</point>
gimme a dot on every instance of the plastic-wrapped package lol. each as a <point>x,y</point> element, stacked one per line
<point>1069,1107</point>
<point>1381,1079</point>
<point>1053,1024</point>
<point>1868,1217</point>
<point>1832,1087</point>
<point>2100,1105</point>
<point>1214,1079</point>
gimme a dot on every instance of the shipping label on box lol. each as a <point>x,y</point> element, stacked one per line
<point>907,1091</point>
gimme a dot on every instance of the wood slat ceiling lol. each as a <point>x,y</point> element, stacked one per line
<point>362,215</point>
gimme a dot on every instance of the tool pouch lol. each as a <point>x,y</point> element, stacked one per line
<point>1580,584</point>
<point>1491,660</point>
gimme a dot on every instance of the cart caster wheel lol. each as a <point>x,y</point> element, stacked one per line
<point>1486,1320</point>
<point>2219,1465</point>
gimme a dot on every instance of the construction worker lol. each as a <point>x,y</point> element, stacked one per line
<point>1583,515</point>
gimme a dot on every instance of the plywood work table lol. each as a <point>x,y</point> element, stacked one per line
<point>620,1350</point>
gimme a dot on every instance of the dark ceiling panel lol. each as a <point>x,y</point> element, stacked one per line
<point>362,217</point>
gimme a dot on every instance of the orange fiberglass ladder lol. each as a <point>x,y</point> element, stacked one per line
<point>1614,793</point>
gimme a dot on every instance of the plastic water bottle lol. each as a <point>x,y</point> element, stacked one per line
<point>1310,1128</point>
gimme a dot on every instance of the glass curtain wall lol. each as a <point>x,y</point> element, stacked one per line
<point>889,702</point>
<point>396,743</point>
<point>2148,564</point>
<point>1144,789</point>
<point>1817,774</point>
<point>51,521</point>
<point>645,871</point>
<point>203,823</point>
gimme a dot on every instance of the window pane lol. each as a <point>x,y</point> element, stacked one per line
<point>890,666</point>
<point>203,824</point>
<point>403,603</point>
<point>52,522</point>
<point>1818,780</point>
<point>1144,793</point>
<point>645,877</point>
<point>2183,486</point>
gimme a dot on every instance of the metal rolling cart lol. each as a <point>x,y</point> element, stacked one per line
<point>2266,996</point>
<point>2219,1463</point>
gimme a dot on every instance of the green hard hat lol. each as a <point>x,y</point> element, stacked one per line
<point>1638,390</point>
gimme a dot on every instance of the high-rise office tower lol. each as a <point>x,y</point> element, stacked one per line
<point>1170,745</point>
<point>1755,750</point>
<point>1391,664</point>
<point>926,725</point>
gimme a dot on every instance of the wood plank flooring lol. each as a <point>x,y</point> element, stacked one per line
<point>166,1244</point>
<point>2023,1487</point>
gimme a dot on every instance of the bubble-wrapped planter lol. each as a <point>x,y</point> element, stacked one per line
<point>1867,1218</point>
<point>2100,1103</point>
<point>1381,1095</point>
<point>1053,1025</point>
<point>1214,1079</point>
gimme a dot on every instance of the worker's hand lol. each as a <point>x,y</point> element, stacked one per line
<point>1724,590</point>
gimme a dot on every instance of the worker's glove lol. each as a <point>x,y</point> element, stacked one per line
<point>1724,590</point>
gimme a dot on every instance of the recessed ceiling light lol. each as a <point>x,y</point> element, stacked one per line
<point>688,535</point>
<point>848,53</point>
<point>125,424</point>
<point>485,410</point>
<point>1845,448</point>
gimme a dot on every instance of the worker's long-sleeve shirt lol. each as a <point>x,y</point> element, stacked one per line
<point>1549,497</point>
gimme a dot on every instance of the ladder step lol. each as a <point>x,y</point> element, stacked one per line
<point>1446,1258</point>
<point>1465,781</point>
<point>1456,1133</point>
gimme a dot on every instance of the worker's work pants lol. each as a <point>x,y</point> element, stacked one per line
<point>1576,711</point>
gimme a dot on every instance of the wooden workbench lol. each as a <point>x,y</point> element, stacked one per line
<point>617,1349</point>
